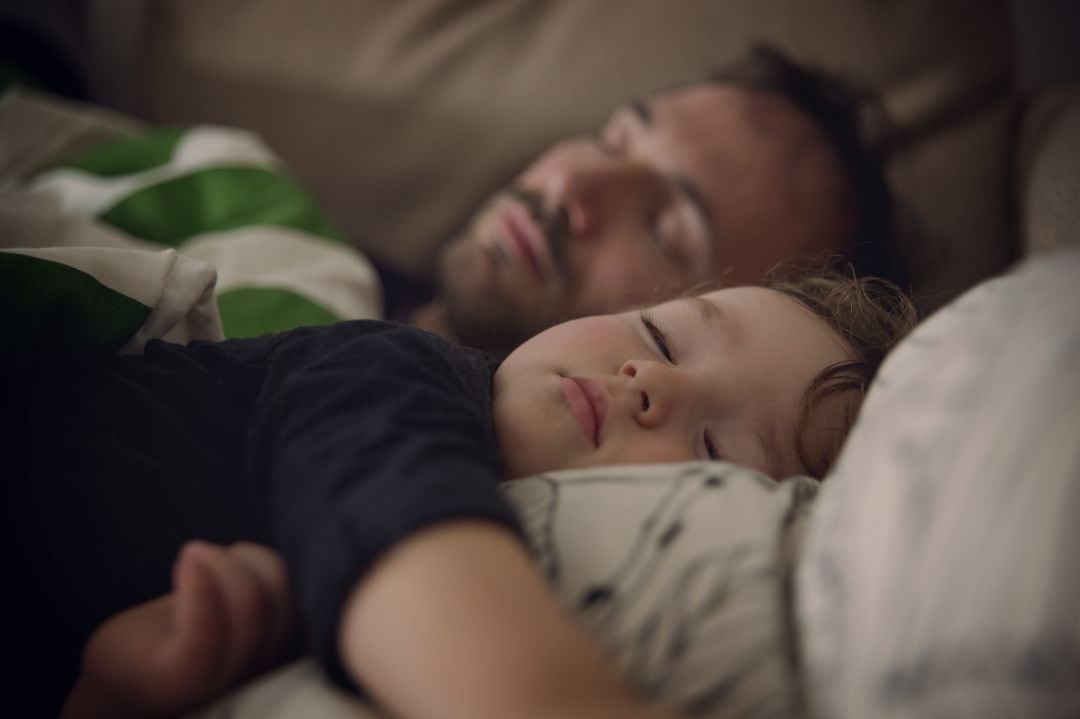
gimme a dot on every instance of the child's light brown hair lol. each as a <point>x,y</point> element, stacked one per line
<point>872,315</point>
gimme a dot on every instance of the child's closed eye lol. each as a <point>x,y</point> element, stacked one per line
<point>710,446</point>
<point>659,337</point>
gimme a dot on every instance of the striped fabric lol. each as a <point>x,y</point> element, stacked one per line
<point>220,195</point>
<point>206,205</point>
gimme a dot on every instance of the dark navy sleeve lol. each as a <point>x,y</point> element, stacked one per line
<point>364,434</point>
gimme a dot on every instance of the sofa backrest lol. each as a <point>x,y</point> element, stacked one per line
<point>1048,170</point>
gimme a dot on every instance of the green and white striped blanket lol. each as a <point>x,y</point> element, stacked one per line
<point>195,233</point>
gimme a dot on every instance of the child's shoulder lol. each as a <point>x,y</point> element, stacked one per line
<point>379,343</point>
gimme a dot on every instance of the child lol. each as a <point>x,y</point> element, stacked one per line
<point>369,454</point>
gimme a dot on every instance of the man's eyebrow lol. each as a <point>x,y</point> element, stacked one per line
<point>696,198</point>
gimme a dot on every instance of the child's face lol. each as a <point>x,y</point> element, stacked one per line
<point>717,376</point>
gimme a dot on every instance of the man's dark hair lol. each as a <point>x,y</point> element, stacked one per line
<point>837,109</point>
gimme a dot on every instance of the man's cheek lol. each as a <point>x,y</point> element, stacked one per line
<point>557,161</point>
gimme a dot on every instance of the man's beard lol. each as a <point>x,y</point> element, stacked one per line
<point>496,323</point>
<point>554,223</point>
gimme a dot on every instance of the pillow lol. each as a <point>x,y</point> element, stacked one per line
<point>217,197</point>
<point>79,305</point>
<point>939,574</point>
<point>679,571</point>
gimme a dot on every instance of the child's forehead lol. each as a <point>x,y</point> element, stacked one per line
<point>727,300</point>
<point>742,291</point>
<point>756,312</point>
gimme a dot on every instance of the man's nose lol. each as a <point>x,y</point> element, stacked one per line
<point>605,193</point>
<point>655,391</point>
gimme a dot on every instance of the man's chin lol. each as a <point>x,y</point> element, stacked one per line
<point>484,308</point>
<point>494,320</point>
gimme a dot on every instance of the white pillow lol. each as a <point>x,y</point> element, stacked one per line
<point>680,572</point>
<point>940,575</point>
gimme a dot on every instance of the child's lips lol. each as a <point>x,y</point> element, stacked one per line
<point>588,403</point>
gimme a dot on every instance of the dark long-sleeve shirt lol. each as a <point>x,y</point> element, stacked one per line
<point>331,444</point>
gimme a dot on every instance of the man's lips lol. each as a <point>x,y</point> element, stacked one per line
<point>525,240</point>
<point>588,403</point>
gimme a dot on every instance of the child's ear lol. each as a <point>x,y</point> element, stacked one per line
<point>829,410</point>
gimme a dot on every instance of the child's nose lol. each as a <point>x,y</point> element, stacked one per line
<point>653,389</point>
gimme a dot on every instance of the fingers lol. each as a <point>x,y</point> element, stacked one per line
<point>229,616</point>
<point>200,619</point>
<point>236,599</point>
<point>268,568</point>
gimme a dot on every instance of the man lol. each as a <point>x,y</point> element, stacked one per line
<point>718,180</point>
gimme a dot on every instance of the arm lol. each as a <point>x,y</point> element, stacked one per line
<point>457,622</point>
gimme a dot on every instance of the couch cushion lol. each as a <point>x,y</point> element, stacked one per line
<point>1048,177</point>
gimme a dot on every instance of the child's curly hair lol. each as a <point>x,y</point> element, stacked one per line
<point>872,315</point>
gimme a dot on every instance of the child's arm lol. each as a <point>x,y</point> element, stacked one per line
<point>457,622</point>
<point>453,622</point>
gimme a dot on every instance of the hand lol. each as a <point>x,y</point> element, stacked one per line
<point>230,616</point>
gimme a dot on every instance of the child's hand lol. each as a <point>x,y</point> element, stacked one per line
<point>230,615</point>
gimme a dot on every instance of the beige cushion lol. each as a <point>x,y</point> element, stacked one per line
<point>1048,177</point>
<point>402,116</point>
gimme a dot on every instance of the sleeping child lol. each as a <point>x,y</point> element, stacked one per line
<point>369,455</point>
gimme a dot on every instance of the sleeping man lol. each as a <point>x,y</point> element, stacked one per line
<point>717,180</point>
<point>370,455</point>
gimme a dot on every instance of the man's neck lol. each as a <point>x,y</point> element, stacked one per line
<point>402,294</point>
<point>432,317</point>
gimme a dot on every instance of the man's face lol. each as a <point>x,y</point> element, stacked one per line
<point>707,182</point>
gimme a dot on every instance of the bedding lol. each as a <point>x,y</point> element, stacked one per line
<point>679,571</point>
<point>202,227</point>
<point>940,576</point>
<point>81,305</point>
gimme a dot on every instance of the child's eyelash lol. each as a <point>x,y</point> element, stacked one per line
<point>658,336</point>
<point>710,447</point>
